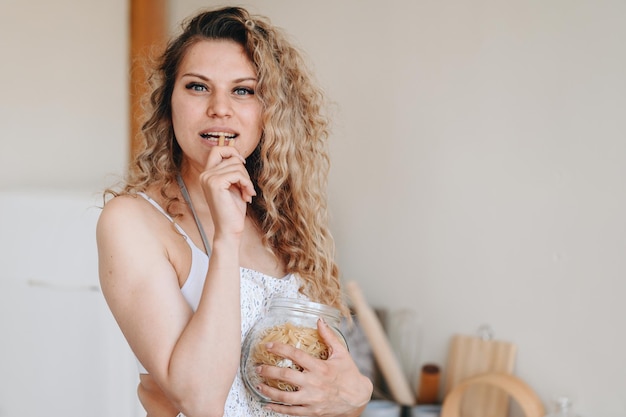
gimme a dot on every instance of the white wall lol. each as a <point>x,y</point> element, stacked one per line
<point>478,172</point>
<point>478,159</point>
<point>63,136</point>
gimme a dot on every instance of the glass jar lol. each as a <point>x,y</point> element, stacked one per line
<point>292,321</point>
<point>562,407</point>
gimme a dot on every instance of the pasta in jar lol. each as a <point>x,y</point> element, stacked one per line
<point>289,321</point>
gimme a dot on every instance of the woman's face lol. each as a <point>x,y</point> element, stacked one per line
<point>214,98</point>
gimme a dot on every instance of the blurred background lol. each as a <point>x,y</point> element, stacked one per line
<point>478,166</point>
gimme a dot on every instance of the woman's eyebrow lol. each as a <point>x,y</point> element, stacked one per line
<point>239,80</point>
<point>205,78</point>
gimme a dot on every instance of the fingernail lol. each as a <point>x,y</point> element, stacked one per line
<point>258,370</point>
<point>269,345</point>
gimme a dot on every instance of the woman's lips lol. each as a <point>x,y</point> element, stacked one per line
<point>219,137</point>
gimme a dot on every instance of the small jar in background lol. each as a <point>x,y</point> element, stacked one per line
<point>292,321</point>
<point>428,388</point>
<point>562,407</point>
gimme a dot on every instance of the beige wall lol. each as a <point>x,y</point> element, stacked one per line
<point>63,93</point>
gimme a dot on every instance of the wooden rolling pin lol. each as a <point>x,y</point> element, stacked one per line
<point>383,353</point>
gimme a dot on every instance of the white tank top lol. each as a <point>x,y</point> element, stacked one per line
<point>257,289</point>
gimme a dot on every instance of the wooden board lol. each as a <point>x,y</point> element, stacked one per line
<point>148,35</point>
<point>470,356</point>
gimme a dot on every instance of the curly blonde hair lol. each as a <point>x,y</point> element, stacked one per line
<point>289,167</point>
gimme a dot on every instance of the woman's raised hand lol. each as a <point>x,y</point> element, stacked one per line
<point>227,188</point>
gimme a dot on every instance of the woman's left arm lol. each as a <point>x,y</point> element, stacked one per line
<point>331,387</point>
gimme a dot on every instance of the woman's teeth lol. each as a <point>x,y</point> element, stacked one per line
<point>221,137</point>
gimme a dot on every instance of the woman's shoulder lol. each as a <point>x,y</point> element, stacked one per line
<point>127,206</point>
<point>128,214</point>
<point>134,203</point>
<point>132,232</point>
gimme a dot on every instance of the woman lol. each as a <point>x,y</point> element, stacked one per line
<point>225,202</point>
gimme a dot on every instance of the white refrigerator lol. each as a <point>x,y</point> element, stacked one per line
<point>61,352</point>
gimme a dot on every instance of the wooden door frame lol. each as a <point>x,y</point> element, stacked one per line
<point>148,34</point>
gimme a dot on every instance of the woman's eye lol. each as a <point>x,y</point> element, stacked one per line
<point>195,87</point>
<point>243,91</point>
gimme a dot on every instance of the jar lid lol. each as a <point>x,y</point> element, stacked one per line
<point>306,306</point>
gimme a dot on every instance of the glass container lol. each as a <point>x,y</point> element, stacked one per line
<point>291,321</point>
<point>562,407</point>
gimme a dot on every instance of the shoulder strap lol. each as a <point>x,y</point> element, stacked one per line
<point>183,190</point>
<point>156,206</point>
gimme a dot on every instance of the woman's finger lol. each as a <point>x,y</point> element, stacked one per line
<point>292,377</point>
<point>221,153</point>
<point>226,181</point>
<point>225,168</point>
<point>335,343</point>
<point>298,356</point>
<point>286,397</point>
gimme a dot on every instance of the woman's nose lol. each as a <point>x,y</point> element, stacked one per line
<point>219,105</point>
